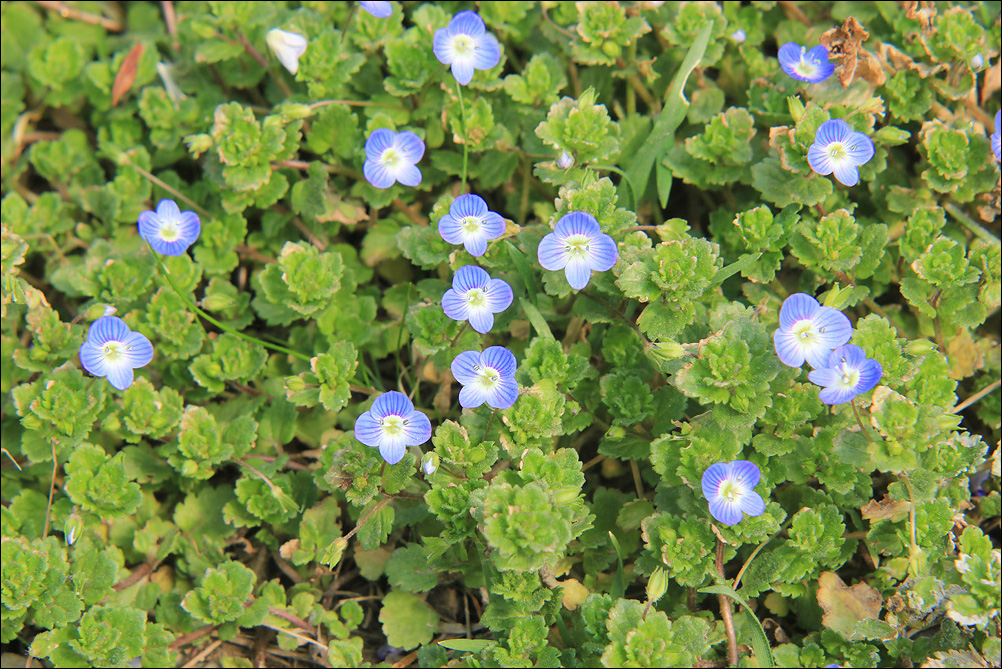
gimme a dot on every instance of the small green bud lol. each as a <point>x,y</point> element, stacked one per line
<point>198,144</point>
<point>96,311</point>
<point>796,108</point>
<point>837,297</point>
<point>566,494</point>
<point>72,528</point>
<point>332,555</point>
<point>611,49</point>
<point>293,112</point>
<point>616,432</point>
<point>657,585</point>
<point>920,347</point>
<point>666,350</point>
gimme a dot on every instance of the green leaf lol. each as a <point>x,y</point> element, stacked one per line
<point>407,621</point>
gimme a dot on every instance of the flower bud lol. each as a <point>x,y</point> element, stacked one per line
<point>72,528</point>
<point>657,585</point>
<point>429,463</point>
<point>565,161</point>
<point>287,47</point>
<point>977,62</point>
<point>739,36</point>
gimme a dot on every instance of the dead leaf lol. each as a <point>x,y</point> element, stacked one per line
<point>886,509</point>
<point>844,45</point>
<point>845,607</point>
<point>923,12</point>
<point>574,593</point>
<point>126,74</point>
<point>965,356</point>
<point>288,548</point>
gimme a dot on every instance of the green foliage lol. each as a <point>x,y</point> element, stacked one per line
<point>226,487</point>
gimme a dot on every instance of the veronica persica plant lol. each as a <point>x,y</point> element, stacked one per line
<point>486,377</point>
<point>391,425</point>
<point>848,373</point>
<point>113,350</point>
<point>391,157</point>
<point>839,149</point>
<point>381,10</point>
<point>803,65</point>
<point>577,245</point>
<point>287,47</point>
<point>470,223</point>
<point>466,45</point>
<point>476,297</point>
<point>809,331</point>
<point>729,488</point>
<point>169,230</point>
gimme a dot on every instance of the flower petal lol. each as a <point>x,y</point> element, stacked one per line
<point>392,403</point>
<point>106,329</point>
<point>444,46</point>
<point>481,319</point>
<point>796,308</point>
<point>552,253</point>
<point>409,145</point>
<point>728,513</point>
<point>578,273</point>
<point>189,227</point>
<point>462,367</point>
<point>499,295</point>
<point>869,376</point>
<point>380,140</point>
<point>577,223</point>
<point>368,430</point>
<point>846,173</point>
<point>138,350</point>
<point>712,478</point>
<point>836,395</point>
<point>825,376</point>
<point>120,375</point>
<point>789,56</point>
<point>407,174</point>
<point>860,148</point>
<point>393,449</point>
<point>92,359</point>
<point>418,428</point>
<point>834,130</point>
<point>493,225</point>
<point>377,174</point>
<point>467,23</point>
<point>744,472</point>
<point>378,8</point>
<point>167,209</point>
<point>501,359</point>
<point>486,52</point>
<point>469,205</point>
<point>455,306</point>
<point>752,503</point>
<point>503,395</point>
<point>602,253</point>
<point>834,328</point>
<point>472,396</point>
<point>470,277</point>
<point>451,229</point>
<point>462,69</point>
<point>788,348</point>
<point>819,160</point>
<point>475,243</point>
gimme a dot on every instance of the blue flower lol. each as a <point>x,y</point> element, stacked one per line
<point>486,377</point>
<point>808,331</point>
<point>113,350</point>
<point>169,230</point>
<point>380,10</point>
<point>997,136</point>
<point>803,65</point>
<point>565,161</point>
<point>466,45</point>
<point>739,36</point>
<point>391,425</point>
<point>287,47</point>
<point>577,245</point>
<point>476,297</point>
<point>470,223</point>
<point>391,157</point>
<point>838,148</point>
<point>848,373</point>
<point>729,488</point>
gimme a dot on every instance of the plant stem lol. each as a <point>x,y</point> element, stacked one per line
<point>466,139</point>
<point>859,421</point>
<point>459,334</point>
<point>218,324</point>
<point>725,610</point>
<point>351,15</point>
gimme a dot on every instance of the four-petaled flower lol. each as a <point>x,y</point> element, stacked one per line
<point>377,8</point>
<point>577,245</point>
<point>838,148</point>
<point>486,377</point>
<point>847,373</point>
<point>997,136</point>
<point>466,45</point>
<point>169,230</point>
<point>391,157</point>
<point>803,65</point>
<point>470,223</point>
<point>391,425</point>
<point>809,331</point>
<point>287,47</point>
<point>476,297</point>
<point>113,350</point>
<point>729,488</point>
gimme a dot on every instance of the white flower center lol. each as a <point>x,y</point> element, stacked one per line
<point>850,377</point>
<point>463,45</point>
<point>805,68</point>
<point>169,231</point>
<point>476,297</point>
<point>836,151</point>
<point>114,350</point>
<point>577,246</point>
<point>487,377</point>
<point>390,158</point>
<point>392,425</point>
<point>805,331</point>
<point>470,224</point>
<point>731,491</point>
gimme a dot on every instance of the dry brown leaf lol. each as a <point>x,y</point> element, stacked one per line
<point>885,509</point>
<point>844,44</point>
<point>843,606</point>
<point>126,74</point>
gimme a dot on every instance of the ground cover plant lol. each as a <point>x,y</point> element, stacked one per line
<point>501,334</point>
